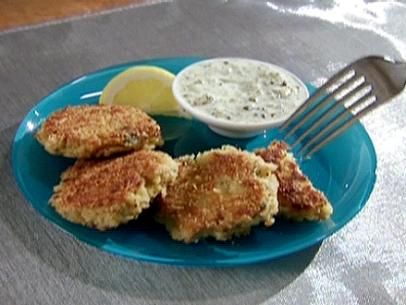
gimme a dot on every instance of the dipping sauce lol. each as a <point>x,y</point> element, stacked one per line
<point>241,90</point>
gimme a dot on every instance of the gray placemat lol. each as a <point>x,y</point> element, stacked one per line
<point>362,264</point>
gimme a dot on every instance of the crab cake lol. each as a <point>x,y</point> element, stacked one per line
<point>298,198</point>
<point>105,193</point>
<point>98,131</point>
<point>218,193</point>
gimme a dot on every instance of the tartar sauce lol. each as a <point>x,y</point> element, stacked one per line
<point>241,90</point>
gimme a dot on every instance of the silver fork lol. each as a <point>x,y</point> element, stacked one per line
<point>350,94</point>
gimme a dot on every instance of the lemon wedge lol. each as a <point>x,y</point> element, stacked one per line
<point>148,88</point>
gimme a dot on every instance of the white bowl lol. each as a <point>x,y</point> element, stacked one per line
<point>229,128</point>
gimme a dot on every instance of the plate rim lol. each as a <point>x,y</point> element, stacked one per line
<point>228,262</point>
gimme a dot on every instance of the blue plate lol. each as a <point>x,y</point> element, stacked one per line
<point>344,170</point>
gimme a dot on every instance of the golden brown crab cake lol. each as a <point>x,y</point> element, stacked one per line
<point>219,193</point>
<point>298,198</point>
<point>105,193</point>
<point>98,131</point>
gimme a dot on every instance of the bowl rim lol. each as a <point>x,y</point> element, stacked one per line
<point>223,123</point>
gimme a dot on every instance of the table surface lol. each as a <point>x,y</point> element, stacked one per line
<point>364,263</point>
<point>22,13</point>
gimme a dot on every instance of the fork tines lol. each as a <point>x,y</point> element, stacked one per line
<point>333,108</point>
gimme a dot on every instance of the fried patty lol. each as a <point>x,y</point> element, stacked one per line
<point>298,198</point>
<point>219,193</point>
<point>105,193</point>
<point>98,131</point>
